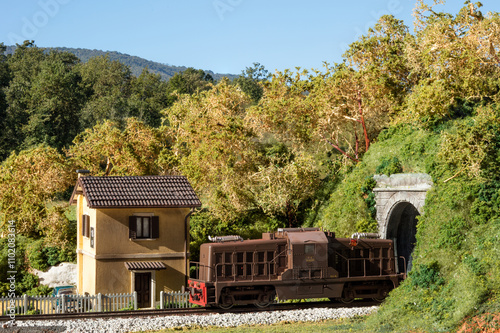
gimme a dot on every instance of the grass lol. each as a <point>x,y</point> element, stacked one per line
<point>337,326</point>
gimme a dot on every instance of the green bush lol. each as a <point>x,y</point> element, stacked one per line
<point>37,255</point>
<point>389,166</point>
<point>426,276</point>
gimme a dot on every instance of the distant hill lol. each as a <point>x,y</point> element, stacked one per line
<point>136,64</point>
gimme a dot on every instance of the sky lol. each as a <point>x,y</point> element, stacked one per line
<point>224,36</point>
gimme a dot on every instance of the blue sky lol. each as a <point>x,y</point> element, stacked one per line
<point>224,36</point>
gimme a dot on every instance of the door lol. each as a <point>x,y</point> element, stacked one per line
<point>143,289</point>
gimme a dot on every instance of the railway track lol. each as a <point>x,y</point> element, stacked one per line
<point>189,311</point>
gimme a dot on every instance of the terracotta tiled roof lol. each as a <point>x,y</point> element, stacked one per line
<point>145,265</point>
<point>136,191</point>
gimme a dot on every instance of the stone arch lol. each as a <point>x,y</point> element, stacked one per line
<point>402,228</point>
<point>399,199</point>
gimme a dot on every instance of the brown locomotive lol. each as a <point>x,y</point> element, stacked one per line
<point>293,264</point>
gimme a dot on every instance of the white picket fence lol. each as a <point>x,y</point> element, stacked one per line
<point>177,300</point>
<point>84,303</point>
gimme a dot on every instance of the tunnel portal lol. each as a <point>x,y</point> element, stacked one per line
<point>400,199</point>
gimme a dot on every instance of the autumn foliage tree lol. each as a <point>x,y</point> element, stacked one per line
<point>212,147</point>
<point>29,182</point>
<point>106,149</point>
<point>455,59</point>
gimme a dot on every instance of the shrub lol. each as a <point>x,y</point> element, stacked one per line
<point>426,276</point>
<point>37,255</point>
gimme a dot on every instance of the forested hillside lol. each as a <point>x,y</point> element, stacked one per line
<point>297,148</point>
<point>136,64</point>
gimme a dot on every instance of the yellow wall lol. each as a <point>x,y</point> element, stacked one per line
<point>98,275</point>
<point>113,227</point>
<point>114,277</point>
<point>88,277</point>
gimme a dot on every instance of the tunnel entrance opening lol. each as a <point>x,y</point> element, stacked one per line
<point>402,229</point>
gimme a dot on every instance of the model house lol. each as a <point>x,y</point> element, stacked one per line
<point>133,234</point>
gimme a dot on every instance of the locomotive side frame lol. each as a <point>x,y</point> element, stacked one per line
<point>293,264</point>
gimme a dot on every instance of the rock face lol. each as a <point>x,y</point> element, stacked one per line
<point>63,274</point>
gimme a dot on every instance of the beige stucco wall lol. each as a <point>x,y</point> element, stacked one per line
<point>112,234</point>
<point>113,277</point>
<point>88,276</point>
<point>102,269</point>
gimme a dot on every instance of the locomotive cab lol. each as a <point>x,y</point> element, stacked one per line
<point>308,255</point>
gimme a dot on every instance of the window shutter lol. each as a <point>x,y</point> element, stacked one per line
<point>155,229</point>
<point>131,227</point>
<point>85,225</point>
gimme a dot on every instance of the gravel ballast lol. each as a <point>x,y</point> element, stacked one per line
<point>218,320</point>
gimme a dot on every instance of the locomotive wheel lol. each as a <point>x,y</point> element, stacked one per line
<point>262,304</point>
<point>265,301</point>
<point>226,306</point>
<point>347,300</point>
<point>347,297</point>
<point>226,300</point>
<point>383,295</point>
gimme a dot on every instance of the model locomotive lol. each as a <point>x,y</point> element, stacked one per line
<point>293,264</point>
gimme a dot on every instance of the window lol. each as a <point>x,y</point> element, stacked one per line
<point>85,225</point>
<point>143,227</point>
<point>92,237</point>
<point>309,249</point>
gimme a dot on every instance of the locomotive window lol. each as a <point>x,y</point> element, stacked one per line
<point>249,256</point>
<point>218,258</point>
<point>260,256</point>
<point>239,256</point>
<point>309,249</point>
<point>227,257</point>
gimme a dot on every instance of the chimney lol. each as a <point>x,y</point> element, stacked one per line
<point>82,172</point>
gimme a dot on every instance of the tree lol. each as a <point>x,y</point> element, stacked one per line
<point>55,103</point>
<point>149,95</point>
<point>107,150</point>
<point>282,184</point>
<point>287,109</point>
<point>5,138</point>
<point>107,86</point>
<point>359,96</point>
<point>190,81</point>
<point>28,183</point>
<point>346,103</point>
<point>455,59</point>
<point>250,81</point>
<point>43,98</point>
<point>212,146</point>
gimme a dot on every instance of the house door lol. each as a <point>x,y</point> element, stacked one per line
<point>143,289</point>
